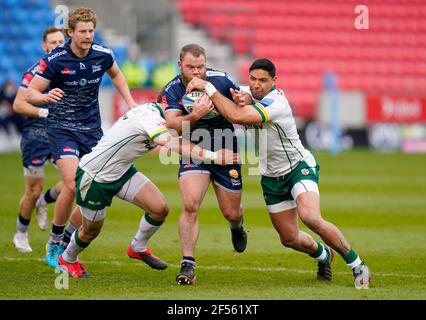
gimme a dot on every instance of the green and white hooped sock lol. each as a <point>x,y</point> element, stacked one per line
<point>147,228</point>
<point>352,259</point>
<point>321,254</point>
<point>74,248</point>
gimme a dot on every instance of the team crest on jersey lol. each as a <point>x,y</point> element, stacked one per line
<point>96,68</point>
<point>82,66</point>
<point>305,172</point>
<point>233,173</point>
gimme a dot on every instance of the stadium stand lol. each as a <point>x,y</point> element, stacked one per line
<point>306,39</point>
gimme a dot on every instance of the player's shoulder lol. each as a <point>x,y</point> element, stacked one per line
<point>276,95</point>
<point>173,84</point>
<point>29,74</point>
<point>101,49</point>
<point>212,73</point>
<point>33,69</point>
<point>216,76</point>
<point>147,110</point>
<point>56,54</point>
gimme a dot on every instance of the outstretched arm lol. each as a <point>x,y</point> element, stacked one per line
<point>120,82</point>
<point>232,112</point>
<point>189,149</point>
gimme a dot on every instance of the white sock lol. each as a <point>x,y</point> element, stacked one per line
<point>73,249</point>
<point>147,228</point>
<point>41,201</point>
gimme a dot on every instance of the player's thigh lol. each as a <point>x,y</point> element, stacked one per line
<point>308,205</point>
<point>229,201</point>
<point>193,187</point>
<point>285,223</point>
<point>67,168</point>
<point>152,200</point>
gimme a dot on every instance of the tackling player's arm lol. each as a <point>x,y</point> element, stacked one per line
<point>35,93</point>
<point>21,106</point>
<point>119,81</point>
<point>189,149</point>
<point>234,113</point>
<point>175,119</point>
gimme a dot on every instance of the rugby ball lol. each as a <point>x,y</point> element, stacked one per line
<point>188,102</point>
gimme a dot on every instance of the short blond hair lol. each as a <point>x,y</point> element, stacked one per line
<point>81,14</point>
<point>194,49</point>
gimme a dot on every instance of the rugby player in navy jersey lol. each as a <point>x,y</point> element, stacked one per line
<point>35,152</point>
<point>74,71</point>
<point>195,178</point>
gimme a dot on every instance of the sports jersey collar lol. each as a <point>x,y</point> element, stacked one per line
<point>273,88</point>
<point>159,109</point>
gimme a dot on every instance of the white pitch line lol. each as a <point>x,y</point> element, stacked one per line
<point>261,269</point>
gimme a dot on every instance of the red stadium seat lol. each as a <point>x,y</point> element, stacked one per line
<point>307,39</point>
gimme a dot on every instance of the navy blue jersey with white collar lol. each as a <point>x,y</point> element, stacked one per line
<point>80,79</point>
<point>172,98</point>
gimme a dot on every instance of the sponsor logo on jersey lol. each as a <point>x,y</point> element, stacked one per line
<point>42,66</point>
<point>305,172</point>
<point>93,81</point>
<point>36,161</point>
<point>102,49</point>
<point>71,83</point>
<point>35,69</point>
<point>68,71</point>
<point>235,183</point>
<point>233,173</point>
<point>57,54</point>
<point>27,79</point>
<point>212,73</point>
<point>69,149</point>
<point>98,203</point>
<point>82,82</point>
<point>82,66</point>
<point>96,68</point>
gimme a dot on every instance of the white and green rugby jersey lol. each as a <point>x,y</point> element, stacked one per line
<point>280,148</point>
<point>129,138</point>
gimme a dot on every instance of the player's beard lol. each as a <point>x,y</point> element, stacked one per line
<point>187,79</point>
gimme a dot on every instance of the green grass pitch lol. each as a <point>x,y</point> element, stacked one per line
<point>377,200</point>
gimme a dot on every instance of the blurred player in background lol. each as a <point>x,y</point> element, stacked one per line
<point>35,152</point>
<point>194,179</point>
<point>74,71</point>
<point>109,171</point>
<point>289,172</point>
